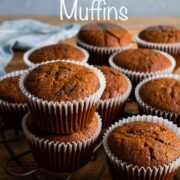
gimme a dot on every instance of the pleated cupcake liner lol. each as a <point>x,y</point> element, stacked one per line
<point>64,117</point>
<point>171,48</point>
<point>29,63</point>
<point>12,113</point>
<point>59,156</point>
<point>136,77</point>
<point>123,170</point>
<point>100,55</point>
<point>144,108</point>
<point>111,109</point>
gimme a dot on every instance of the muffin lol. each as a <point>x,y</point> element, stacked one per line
<point>143,147</point>
<point>141,63</point>
<point>62,95</point>
<point>12,101</point>
<point>115,95</point>
<point>159,95</point>
<point>102,39</point>
<point>61,153</point>
<point>161,34</point>
<point>162,37</point>
<point>54,52</point>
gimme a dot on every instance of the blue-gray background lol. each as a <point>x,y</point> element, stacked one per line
<point>51,7</point>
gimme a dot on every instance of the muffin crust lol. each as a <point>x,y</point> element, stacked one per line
<point>144,144</point>
<point>57,51</point>
<point>161,34</point>
<point>77,136</point>
<point>104,34</point>
<point>61,81</point>
<point>162,93</point>
<point>116,83</point>
<point>10,90</point>
<point>142,60</point>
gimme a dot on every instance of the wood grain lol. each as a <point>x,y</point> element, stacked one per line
<point>92,169</point>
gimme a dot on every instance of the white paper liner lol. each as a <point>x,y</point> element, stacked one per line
<point>58,156</point>
<point>147,109</point>
<point>100,55</point>
<point>13,110</point>
<point>134,172</point>
<point>110,109</point>
<point>29,63</point>
<point>136,77</point>
<point>64,117</point>
<point>171,48</point>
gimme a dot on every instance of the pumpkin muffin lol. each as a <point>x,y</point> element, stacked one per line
<point>142,60</point>
<point>116,83</point>
<point>115,95</point>
<point>162,37</point>
<point>159,95</point>
<point>161,34</point>
<point>87,132</point>
<point>162,93</point>
<point>10,91</point>
<point>101,39</point>
<point>140,63</point>
<point>61,81</point>
<point>12,100</point>
<point>57,51</point>
<point>144,144</point>
<point>104,34</point>
<point>68,152</point>
<point>63,95</point>
<point>143,147</point>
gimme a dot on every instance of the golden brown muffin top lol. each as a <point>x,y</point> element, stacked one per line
<point>104,34</point>
<point>162,93</point>
<point>116,83</point>
<point>77,136</point>
<point>141,60</point>
<point>61,81</point>
<point>10,90</point>
<point>161,34</point>
<point>144,144</point>
<point>57,51</point>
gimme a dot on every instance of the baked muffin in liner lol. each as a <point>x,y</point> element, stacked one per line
<point>64,117</point>
<point>12,113</point>
<point>123,170</point>
<point>144,108</point>
<point>59,156</point>
<point>29,63</point>
<point>170,48</point>
<point>136,77</point>
<point>111,109</point>
<point>100,55</point>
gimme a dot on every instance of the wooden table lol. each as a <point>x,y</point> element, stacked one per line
<point>92,169</point>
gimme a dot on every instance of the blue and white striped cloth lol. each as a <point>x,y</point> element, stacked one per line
<point>27,33</point>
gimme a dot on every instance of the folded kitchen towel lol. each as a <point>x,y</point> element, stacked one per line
<point>28,33</point>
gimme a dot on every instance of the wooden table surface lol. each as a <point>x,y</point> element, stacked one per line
<point>93,168</point>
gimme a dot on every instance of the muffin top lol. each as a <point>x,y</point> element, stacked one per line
<point>162,93</point>
<point>61,81</point>
<point>116,83</point>
<point>57,51</point>
<point>144,144</point>
<point>77,136</point>
<point>141,60</point>
<point>10,90</point>
<point>104,34</point>
<point>161,34</point>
